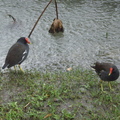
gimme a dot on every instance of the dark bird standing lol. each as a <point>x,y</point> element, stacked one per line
<point>17,53</point>
<point>107,72</point>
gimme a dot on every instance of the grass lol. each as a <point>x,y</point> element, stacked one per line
<point>73,95</point>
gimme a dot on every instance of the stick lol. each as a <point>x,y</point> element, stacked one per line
<point>27,105</point>
<point>12,17</point>
<point>56,9</point>
<point>39,19</point>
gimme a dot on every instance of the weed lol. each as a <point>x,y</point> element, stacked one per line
<point>70,95</point>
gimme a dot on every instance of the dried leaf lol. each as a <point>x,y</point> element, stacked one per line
<point>48,115</point>
<point>69,69</point>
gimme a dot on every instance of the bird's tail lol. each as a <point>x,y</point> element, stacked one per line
<point>4,66</point>
<point>93,67</point>
<point>96,65</point>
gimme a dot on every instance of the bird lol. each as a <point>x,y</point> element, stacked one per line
<point>17,53</point>
<point>107,72</point>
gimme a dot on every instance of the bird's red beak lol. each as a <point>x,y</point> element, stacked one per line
<point>27,40</point>
<point>111,70</point>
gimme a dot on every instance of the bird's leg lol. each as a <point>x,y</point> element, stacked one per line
<point>15,68</point>
<point>102,86</point>
<point>20,68</point>
<point>110,86</point>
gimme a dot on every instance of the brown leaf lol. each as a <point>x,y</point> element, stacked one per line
<point>69,69</point>
<point>48,115</point>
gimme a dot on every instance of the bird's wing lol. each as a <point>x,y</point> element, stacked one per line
<point>15,54</point>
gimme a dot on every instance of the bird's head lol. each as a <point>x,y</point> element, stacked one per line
<point>27,40</point>
<point>24,40</point>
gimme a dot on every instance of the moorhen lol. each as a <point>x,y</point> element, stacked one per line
<point>107,72</point>
<point>17,53</point>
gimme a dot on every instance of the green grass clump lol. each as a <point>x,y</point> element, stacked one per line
<point>72,95</point>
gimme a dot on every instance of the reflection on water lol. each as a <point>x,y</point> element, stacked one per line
<point>91,32</point>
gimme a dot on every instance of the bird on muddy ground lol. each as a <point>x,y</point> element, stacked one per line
<point>17,53</point>
<point>106,72</point>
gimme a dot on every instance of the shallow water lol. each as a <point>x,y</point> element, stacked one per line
<point>92,32</point>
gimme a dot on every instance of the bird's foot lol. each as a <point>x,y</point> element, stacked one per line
<point>112,89</point>
<point>104,91</point>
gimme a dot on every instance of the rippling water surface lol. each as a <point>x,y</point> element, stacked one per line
<point>92,32</point>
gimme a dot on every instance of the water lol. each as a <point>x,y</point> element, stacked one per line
<point>92,32</point>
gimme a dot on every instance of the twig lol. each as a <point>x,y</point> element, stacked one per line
<point>56,9</point>
<point>39,19</point>
<point>12,17</point>
<point>27,105</point>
